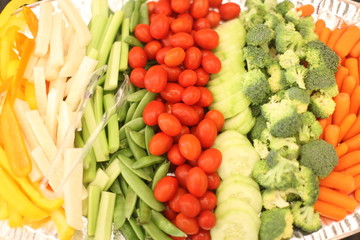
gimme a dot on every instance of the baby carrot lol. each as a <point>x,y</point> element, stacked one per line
<point>331,134</point>
<point>341,149</point>
<point>348,160</point>
<point>306,10</point>
<point>357,182</point>
<point>330,210</point>
<point>342,101</point>
<point>346,124</point>
<point>339,181</point>
<point>329,120</point>
<point>347,41</point>
<point>323,123</point>
<point>355,51</point>
<point>338,199</point>
<point>354,130</point>
<point>353,143</point>
<point>353,66</point>
<point>348,85</point>
<point>334,37</point>
<point>353,170</point>
<point>319,26</point>
<point>340,75</point>
<point>325,35</point>
<point>357,194</point>
<point>355,100</point>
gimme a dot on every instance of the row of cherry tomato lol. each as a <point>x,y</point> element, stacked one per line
<point>180,38</point>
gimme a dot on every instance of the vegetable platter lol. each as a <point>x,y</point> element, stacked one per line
<point>227,129</point>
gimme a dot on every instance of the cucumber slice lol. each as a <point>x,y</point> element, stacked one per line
<point>240,190</point>
<point>246,128</point>
<point>230,137</point>
<point>232,31</point>
<point>237,159</point>
<point>238,178</point>
<point>244,121</point>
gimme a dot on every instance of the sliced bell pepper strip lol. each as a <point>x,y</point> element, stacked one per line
<point>65,231</point>
<point>31,20</point>
<point>15,218</point>
<point>4,212</point>
<point>10,9</point>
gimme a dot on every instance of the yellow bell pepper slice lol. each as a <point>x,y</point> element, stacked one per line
<point>15,219</point>
<point>30,97</point>
<point>10,8</point>
<point>4,213</point>
<point>36,224</point>
<point>31,20</point>
<point>64,230</point>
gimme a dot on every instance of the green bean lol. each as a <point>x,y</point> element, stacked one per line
<point>139,172</point>
<point>160,172</point>
<point>144,212</point>
<point>134,20</point>
<point>141,189</point>
<point>149,96</point>
<point>136,96</point>
<point>133,41</point>
<point>123,111</point>
<point>128,8</point>
<point>136,124</point>
<point>124,144</point>
<point>137,229</point>
<point>165,225</point>
<point>147,161</point>
<point>137,151</point>
<point>124,186</point>
<point>144,14</point>
<point>155,232</point>
<point>130,202</point>
<point>115,187</point>
<point>125,152</point>
<point>127,231</point>
<point>149,133</point>
<point>131,111</point>
<point>149,171</point>
<point>138,138</point>
<point>119,213</point>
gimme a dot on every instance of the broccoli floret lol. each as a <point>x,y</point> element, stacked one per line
<point>270,5</point>
<point>299,97</point>
<point>296,75</point>
<point>276,224</point>
<point>286,37</point>
<point>284,7</point>
<point>255,110</point>
<point>307,185</point>
<point>260,125</point>
<point>283,119</point>
<point>252,17</point>
<point>256,57</point>
<point>273,19</point>
<point>274,198</point>
<point>259,35</point>
<point>305,217</point>
<point>319,54</point>
<point>310,129</point>
<point>288,59</point>
<point>319,78</point>
<point>321,106</point>
<point>261,148</point>
<point>293,16</point>
<point>319,156</point>
<point>331,91</point>
<point>306,28</point>
<point>256,87</point>
<point>277,79</point>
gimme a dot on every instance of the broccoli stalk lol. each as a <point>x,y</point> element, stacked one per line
<point>273,198</point>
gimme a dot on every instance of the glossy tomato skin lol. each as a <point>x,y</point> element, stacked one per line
<point>193,58</point>
<point>180,6</point>
<point>207,220</point>
<point>174,202</point>
<point>215,3</point>
<point>190,147</point>
<point>187,78</point>
<point>206,132</point>
<point>199,8</point>
<point>187,225</point>
<point>163,7</point>
<point>137,76</point>
<point>182,40</point>
<point>184,130</point>
<point>207,38</point>
<point>202,77</point>
<point>169,124</point>
<point>181,173</point>
<point>152,111</point>
<point>155,79</point>
<point>142,33</point>
<point>214,18</point>
<point>201,23</point>
<point>200,111</point>
<point>191,95</point>
<point>217,117</point>
<point>169,213</point>
<point>137,57</point>
<point>210,160</point>
<point>172,92</point>
<point>151,7</point>
<point>206,97</point>
<point>189,205</point>
<point>151,48</point>
<point>174,57</point>
<point>160,143</point>
<point>166,189</point>
<point>201,235</point>
<point>211,64</point>
<point>183,23</point>
<point>208,201</point>
<point>229,11</point>
<point>175,156</point>
<point>160,55</point>
<point>172,72</point>
<point>196,181</point>
<point>213,181</point>
<point>186,114</point>
<point>159,26</point>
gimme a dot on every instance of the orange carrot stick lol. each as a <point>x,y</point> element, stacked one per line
<point>346,125</point>
<point>338,199</point>
<point>339,181</point>
<point>354,130</point>
<point>355,51</point>
<point>353,66</point>
<point>306,10</point>
<point>342,101</point>
<point>323,123</point>
<point>334,36</point>
<point>330,210</point>
<point>357,194</point>
<point>348,85</point>
<point>355,100</point>
<point>340,75</point>
<point>353,170</point>
<point>341,149</point>
<point>331,134</point>
<point>329,120</point>
<point>319,26</point>
<point>348,160</point>
<point>347,41</point>
<point>353,143</point>
<point>325,35</point>
<point>357,182</point>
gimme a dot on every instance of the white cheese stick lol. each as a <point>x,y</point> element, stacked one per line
<point>73,58</point>
<point>69,38</point>
<point>44,29</point>
<point>59,84</point>
<point>40,89</point>
<point>64,123</point>
<point>56,57</point>
<point>52,112</point>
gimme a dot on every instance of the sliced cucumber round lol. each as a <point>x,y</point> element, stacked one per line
<point>237,178</point>
<point>244,121</point>
<point>230,137</point>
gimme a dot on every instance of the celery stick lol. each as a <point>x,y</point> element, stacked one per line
<point>113,125</point>
<point>85,135</point>
<point>99,7</point>
<point>90,172</point>
<point>97,29</point>
<point>130,202</point>
<point>109,37</point>
<point>113,171</point>
<point>125,31</point>
<point>79,143</point>
<point>93,208</point>
<point>93,53</point>
<point>106,213</point>
<point>101,179</point>
<point>112,74</point>
<point>139,231</point>
<point>119,213</point>
<point>105,30</point>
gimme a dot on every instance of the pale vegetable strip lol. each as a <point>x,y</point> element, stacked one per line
<point>40,89</point>
<point>44,29</point>
<point>112,75</point>
<point>59,84</point>
<point>28,74</point>
<point>65,116</point>
<point>75,55</point>
<point>52,112</point>
<point>105,217</point>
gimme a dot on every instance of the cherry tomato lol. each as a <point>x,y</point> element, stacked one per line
<point>199,8</point>
<point>206,97</point>
<point>137,57</point>
<point>172,92</point>
<point>200,111</point>
<point>172,72</point>
<point>187,78</point>
<point>207,220</point>
<point>165,42</point>
<point>214,18</point>
<point>187,225</point>
<point>211,64</point>
<point>178,238</point>
<point>174,57</point>
<point>174,202</point>
<point>183,23</point>
<point>190,147</point>
<point>163,7</point>
<point>182,40</point>
<point>189,205</point>
<point>184,130</point>
<point>201,23</point>
<point>217,117</point>
<point>207,38</point>
<point>205,52</point>
<point>181,173</point>
<point>159,26</point>
<point>186,114</point>
<point>155,79</point>
<point>196,181</point>
<point>229,10</point>
<point>180,6</point>
<point>137,76</point>
<point>169,213</point>
<point>142,32</point>
<point>160,55</point>
<point>169,124</point>
<point>206,132</point>
<point>193,130</point>
<point>208,201</point>
<point>202,76</point>
<point>193,58</point>
<point>151,48</point>
<point>175,156</point>
<point>152,111</point>
<point>215,3</point>
<point>191,95</point>
<point>210,160</point>
<point>166,188</point>
<point>213,181</point>
<point>151,7</point>
<point>168,107</point>
<point>160,143</point>
<point>201,235</point>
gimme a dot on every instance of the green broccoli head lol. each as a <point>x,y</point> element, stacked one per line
<point>259,35</point>
<point>319,54</point>
<point>319,78</point>
<point>284,7</point>
<point>305,217</point>
<point>286,37</point>
<point>260,169</point>
<point>274,198</point>
<point>276,224</point>
<point>283,119</point>
<point>319,156</point>
<point>256,87</point>
<point>256,57</point>
<point>261,148</point>
<point>273,19</point>
<point>288,59</point>
<point>260,125</point>
<point>255,110</point>
<point>252,17</point>
<point>293,16</point>
<point>306,28</point>
<point>277,79</point>
<point>307,185</point>
<point>296,75</point>
<point>310,129</point>
<point>299,97</point>
<point>331,91</point>
<point>321,106</point>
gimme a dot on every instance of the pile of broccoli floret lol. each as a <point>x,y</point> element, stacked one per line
<point>290,81</point>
